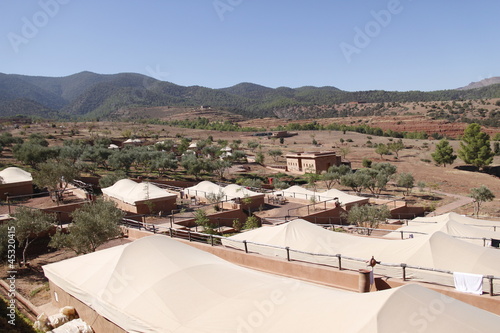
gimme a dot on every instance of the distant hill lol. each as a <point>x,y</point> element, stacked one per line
<point>481,84</point>
<point>90,95</point>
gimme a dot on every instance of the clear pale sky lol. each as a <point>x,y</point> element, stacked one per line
<point>350,44</point>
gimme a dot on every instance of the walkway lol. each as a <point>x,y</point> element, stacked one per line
<point>461,201</point>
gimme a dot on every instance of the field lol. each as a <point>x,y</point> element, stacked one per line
<point>415,159</point>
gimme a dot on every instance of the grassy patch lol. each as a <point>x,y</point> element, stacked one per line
<point>45,287</point>
<point>22,324</point>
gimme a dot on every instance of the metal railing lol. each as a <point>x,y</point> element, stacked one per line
<point>342,262</point>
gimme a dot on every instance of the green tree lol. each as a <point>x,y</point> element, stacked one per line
<point>382,150</point>
<point>280,185</point>
<point>252,145</point>
<point>396,147</point>
<point>195,165</point>
<point>29,225</point>
<point>121,160</point>
<point>344,151</point>
<point>480,194</point>
<point>407,181</point>
<point>333,175</point>
<point>56,176</point>
<point>252,222</point>
<point>355,181</point>
<point>312,178</point>
<point>496,148</point>
<point>111,178</point>
<point>367,216</point>
<point>475,147</point>
<point>201,219</point>
<point>97,156</point>
<point>275,154</point>
<point>163,163</point>
<point>443,154</point>
<point>33,154</point>
<point>94,223</point>
<point>259,158</point>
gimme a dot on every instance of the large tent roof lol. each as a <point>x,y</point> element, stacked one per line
<point>184,289</point>
<point>305,194</point>
<point>451,224</point>
<point>132,193</point>
<point>452,216</point>
<point>229,192</point>
<point>15,175</point>
<point>438,251</point>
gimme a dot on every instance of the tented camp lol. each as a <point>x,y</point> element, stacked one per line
<point>183,289</point>
<point>473,230</point>
<point>346,200</point>
<point>140,198</point>
<point>436,251</point>
<point>232,192</point>
<point>15,181</point>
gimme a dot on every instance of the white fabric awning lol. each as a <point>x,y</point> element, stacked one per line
<point>157,284</point>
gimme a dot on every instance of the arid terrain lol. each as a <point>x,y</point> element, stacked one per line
<point>415,159</point>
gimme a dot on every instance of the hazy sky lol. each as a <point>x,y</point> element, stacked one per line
<point>349,44</point>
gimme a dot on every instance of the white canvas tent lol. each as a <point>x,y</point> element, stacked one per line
<point>436,251</point>
<point>13,175</point>
<point>451,224</point>
<point>229,192</point>
<point>299,192</point>
<point>130,192</point>
<point>182,289</point>
<point>452,216</point>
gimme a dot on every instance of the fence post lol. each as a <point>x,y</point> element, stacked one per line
<point>212,240</point>
<point>404,271</point>
<point>339,256</point>
<point>401,235</point>
<point>287,253</point>
<point>484,242</point>
<point>7,199</point>
<point>490,277</point>
<point>189,235</point>
<point>170,232</point>
<point>246,247</point>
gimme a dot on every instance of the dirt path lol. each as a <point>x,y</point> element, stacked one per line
<point>459,202</point>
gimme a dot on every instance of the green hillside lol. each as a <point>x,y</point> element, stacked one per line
<point>92,95</point>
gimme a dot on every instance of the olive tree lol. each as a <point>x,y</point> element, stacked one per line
<point>30,224</point>
<point>367,216</point>
<point>55,176</point>
<point>407,181</point>
<point>480,194</point>
<point>94,223</point>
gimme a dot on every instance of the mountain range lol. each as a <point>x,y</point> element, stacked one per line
<point>90,95</point>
